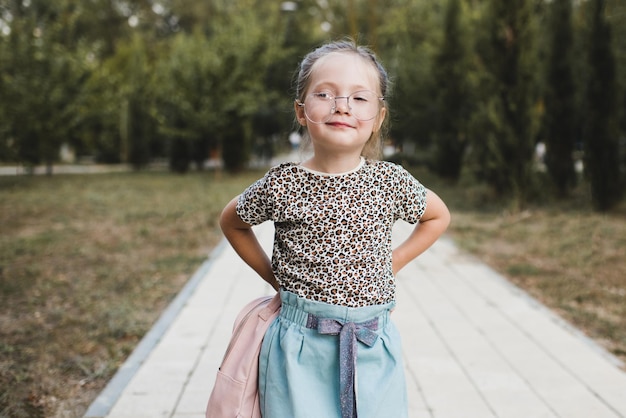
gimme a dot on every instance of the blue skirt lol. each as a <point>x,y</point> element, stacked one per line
<point>302,372</point>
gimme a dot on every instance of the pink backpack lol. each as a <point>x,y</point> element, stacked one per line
<point>235,394</point>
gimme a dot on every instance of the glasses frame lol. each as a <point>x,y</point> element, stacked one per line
<point>333,109</point>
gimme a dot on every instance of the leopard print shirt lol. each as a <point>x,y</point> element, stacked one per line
<point>333,231</point>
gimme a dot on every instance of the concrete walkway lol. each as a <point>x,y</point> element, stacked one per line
<point>474,346</point>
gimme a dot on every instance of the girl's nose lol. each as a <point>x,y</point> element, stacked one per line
<point>342,104</point>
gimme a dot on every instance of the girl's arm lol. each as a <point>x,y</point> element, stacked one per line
<point>245,243</point>
<point>433,223</point>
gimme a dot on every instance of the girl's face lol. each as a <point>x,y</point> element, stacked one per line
<point>340,75</point>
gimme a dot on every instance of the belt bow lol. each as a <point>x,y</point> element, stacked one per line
<point>349,333</point>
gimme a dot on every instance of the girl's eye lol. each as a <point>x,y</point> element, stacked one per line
<point>323,95</point>
<point>363,96</point>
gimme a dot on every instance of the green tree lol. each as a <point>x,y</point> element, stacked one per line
<point>453,99</point>
<point>137,127</point>
<point>186,87</point>
<point>505,123</point>
<point>407,51</point>
<point>119,104</point>
<point>616,17</point>
<point>602,130</point>
<point>41,81</point>
<point>560,101</point>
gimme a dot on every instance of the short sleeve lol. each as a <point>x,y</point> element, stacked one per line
<point>253,205</point>
<point>410,197</point>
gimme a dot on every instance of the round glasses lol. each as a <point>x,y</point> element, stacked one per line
<point>319,107</point>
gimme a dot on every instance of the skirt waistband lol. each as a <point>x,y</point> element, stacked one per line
<point>298,310</point>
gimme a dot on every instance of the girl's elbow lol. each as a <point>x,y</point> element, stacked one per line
<point>223,222</point>
<point>441,220</point>
<point>447,219</point>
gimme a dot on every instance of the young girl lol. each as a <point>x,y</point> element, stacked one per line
<point>333,351</point>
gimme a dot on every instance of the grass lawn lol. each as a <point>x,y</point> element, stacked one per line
<point>87,264</point>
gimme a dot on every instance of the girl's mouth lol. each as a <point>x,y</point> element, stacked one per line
<point>338,124</point>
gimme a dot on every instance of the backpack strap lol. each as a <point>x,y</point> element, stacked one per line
<point>272,307</point>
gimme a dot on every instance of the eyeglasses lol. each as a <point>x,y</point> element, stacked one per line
<point>319,107</point>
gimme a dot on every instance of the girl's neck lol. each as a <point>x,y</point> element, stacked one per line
<point>332,164</point>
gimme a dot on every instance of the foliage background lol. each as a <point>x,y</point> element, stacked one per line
<point>478,83</point>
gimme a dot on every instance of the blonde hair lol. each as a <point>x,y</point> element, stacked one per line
<point>374,146</point>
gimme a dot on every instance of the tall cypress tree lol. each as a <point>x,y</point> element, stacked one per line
<point>504,125</point>
<point>450,74</point>
<point>602,130</point>
<point>560,108</point>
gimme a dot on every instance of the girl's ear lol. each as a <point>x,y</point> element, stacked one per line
<point>380,119</point>
<point>299,113</point>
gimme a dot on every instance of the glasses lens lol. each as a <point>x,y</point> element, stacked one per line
<point>363,105</point>
<point>319,107</point>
